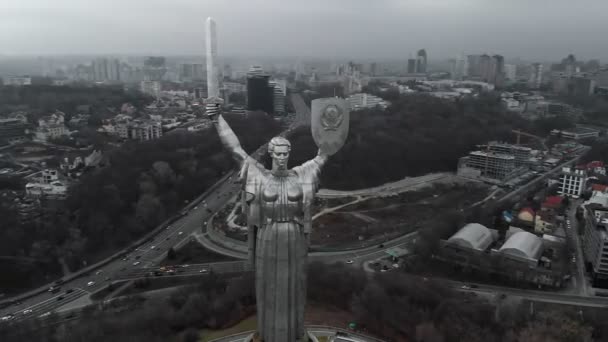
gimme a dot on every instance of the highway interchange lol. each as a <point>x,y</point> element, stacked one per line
<point>142,260</point>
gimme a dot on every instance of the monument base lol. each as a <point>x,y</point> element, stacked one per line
<point>254,338</point>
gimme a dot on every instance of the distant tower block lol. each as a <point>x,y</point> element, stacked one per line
<point>213,88</point>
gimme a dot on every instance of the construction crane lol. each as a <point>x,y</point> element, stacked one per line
<point>519,133</point>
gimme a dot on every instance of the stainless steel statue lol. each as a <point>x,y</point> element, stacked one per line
<point>278,206</point>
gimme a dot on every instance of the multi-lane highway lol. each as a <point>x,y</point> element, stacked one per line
<point>147,254</point>
<point>143,256</point>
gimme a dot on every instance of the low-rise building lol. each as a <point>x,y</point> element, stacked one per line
<point>13,129</point>
<point>577,133</point>
<point>523,257</point>
<point>523,247</point>
<point>51,127</point>
<point>46,184</point>
<point>572,182</point>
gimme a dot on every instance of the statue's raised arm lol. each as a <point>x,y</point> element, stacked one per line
<point>229,139</point>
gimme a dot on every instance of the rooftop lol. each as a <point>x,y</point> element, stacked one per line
<point>473,236</point>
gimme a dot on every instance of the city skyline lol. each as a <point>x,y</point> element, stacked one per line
<point>340,29</point>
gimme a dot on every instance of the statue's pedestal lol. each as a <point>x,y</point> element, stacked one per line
<point>254,338</point>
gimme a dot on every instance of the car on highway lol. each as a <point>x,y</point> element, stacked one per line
<point>203,270</point>
<point>152,247</point>
<point>349,261</point>
<point>196,207</point>
<point>180,233</point>
<point>69,291</point>
<point>7,317</point>
<point>54,289</point>
<point>465,287</point>
<point>59,298</point>
<point>27,311</point>
<point>91,283</point>
<point>136,263</point>
<point>48,313</point>
<point>98,272</point>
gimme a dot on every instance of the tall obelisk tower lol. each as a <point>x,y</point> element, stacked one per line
<point>213,87</point>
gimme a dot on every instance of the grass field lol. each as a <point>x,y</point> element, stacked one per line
<point>248,324</point>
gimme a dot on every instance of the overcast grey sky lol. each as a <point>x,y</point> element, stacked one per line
<point>532,29</point>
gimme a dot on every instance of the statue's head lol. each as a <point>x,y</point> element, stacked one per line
<point>279,148</point>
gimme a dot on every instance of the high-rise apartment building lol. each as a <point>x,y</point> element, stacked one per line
<point>536,76</point>
<point>189,72</point>
<point>421,61</point>
<point>279,92</point>
<point>595,237</point>
<point>154,68</point>
<point>260,94</point>
<point>150,87</point>
<point>474,66</point>
<point>510,72</point>
<point>411,65</point>
<point>106,69</point>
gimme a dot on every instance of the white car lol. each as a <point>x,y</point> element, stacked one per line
<point>349,262</point>
<point>152,247</point>
<point>7,317</point>
<point>203,270</point>
<point>45,314</point>
<point>91,283</point>
<point>180,233</point>
<point>98,272</point>
<point>27,311</point>
<point>196,207</point>
<point>136,263</point>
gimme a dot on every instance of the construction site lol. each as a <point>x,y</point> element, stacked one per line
<point>508,164</point>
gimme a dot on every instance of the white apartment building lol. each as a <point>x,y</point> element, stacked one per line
<point>572,182</point>
<point>144,131</point>
<point>51,127</point>
<point>363,100</point>
<point>18,81</point>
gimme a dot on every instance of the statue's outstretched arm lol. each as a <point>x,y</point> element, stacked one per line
<point>229,139</point>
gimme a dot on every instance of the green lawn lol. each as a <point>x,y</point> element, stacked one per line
<point>243,326</point>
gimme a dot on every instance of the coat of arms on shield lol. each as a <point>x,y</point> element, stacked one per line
<point>329,125</point>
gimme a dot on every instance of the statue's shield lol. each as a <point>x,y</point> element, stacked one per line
<point>330,119</point>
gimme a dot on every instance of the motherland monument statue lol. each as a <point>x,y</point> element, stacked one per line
<point>278,203</point>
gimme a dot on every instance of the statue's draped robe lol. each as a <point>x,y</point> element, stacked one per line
<point>281,211</point>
